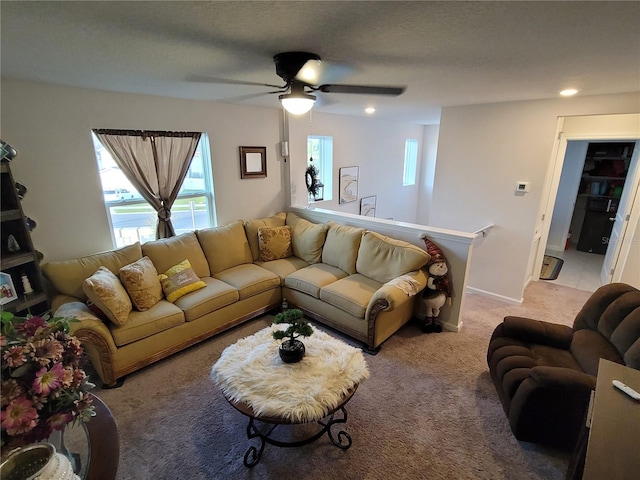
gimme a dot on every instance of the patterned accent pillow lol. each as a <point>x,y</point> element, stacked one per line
<point>105,290</point>
<point>180,280</point>
<point>275,243</point>
<point>140,279</point>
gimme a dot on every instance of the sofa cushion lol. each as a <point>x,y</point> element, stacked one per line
<point>341,246</point>
<point>215,295</point>
<point>249,279</point>
<point>180,280</point>
<point>225,246</point>
<point>140,280</point>
<point>67,276</point>
<point>382,258</point>
<point>284,267</point>
<point>351,294</point>
<point>104,289</point>
<point>166,252</point>
<point>307,238</point>
<point>251,228</point>
<point>311,279</point>
<point>162,316</point>
<point>275,243</point>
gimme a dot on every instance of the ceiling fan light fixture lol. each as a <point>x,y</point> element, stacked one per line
<point>297,103</point>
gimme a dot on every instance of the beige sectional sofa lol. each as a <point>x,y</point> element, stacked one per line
<point>356,281</point>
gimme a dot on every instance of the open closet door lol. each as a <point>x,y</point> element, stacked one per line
<point>616,249</point>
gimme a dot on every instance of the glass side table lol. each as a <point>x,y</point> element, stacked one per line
<point>93,448</point>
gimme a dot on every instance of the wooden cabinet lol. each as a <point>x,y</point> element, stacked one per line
<point>22,286</point>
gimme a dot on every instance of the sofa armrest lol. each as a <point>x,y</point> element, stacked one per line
<point>536,331</point>
<point>87,327</point>
<point>389,296</point>
<point>550,405</point>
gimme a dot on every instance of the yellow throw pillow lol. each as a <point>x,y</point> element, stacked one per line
<point>105,290</point>
<point>140,279</point>
<point>275,243</point>
<point>180,280</point>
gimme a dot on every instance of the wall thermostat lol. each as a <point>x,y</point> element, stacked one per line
<point>523,187</point>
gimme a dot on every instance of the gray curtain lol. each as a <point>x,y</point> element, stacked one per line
<point>155,163</point>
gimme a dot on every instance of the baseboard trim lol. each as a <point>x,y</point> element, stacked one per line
<point>495,296</point>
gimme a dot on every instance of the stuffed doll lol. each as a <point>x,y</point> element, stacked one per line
<point>438,290</point>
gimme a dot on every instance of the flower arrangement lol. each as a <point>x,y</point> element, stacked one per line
<point>43,386</point>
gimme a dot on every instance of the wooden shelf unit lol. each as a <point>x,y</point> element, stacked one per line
<point>24,261</point>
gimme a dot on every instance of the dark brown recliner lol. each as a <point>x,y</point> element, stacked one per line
<point>544,372</point>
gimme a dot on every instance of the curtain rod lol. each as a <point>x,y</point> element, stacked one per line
<point>144,133</point>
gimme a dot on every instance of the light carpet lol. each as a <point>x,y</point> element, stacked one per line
<point>428,411</point>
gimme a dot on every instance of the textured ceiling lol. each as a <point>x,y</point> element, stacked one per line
<point>445,53</point>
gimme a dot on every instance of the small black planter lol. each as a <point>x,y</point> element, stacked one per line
<point>291,353</point>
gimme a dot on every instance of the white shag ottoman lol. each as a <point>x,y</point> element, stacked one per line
<point>261,386</point>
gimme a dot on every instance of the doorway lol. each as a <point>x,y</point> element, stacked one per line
<point>621,258</point>
<point>589,191</point>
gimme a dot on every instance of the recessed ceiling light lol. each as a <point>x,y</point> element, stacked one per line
<point>370,110</point>
<point>568,92</point>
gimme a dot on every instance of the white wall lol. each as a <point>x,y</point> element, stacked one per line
<point>376,146</point>
<point>430,153</point>
<point>566,198</point>
<point>483,150</point>
<point>50,128</point>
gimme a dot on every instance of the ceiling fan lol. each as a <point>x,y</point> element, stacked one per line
<point>301,73</point>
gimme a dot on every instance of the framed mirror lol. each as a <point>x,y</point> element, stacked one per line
<point>253,162</point>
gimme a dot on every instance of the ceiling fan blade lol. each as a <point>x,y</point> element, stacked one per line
<point>361,89</point>
<point>226,81</point>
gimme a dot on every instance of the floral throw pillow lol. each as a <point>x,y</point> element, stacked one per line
<point>274,242</point>
<point>104,289</point>
<point>180,280</point>
<point>140,279</point>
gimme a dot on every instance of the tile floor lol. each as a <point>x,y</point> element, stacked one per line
<point>581,270</point>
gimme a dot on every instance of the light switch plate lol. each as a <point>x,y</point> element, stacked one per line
<point>523,187</point>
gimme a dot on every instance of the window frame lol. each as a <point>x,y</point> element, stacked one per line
<point>410,166</point>
<point>324,163</point>
<point>207,192</point>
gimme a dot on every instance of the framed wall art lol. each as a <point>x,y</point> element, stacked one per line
<point>7,290</point>
<point>368,206</point>
<point>348,184</point>
<point>253,162</point>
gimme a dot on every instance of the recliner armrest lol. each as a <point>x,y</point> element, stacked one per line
<point>537,331</point>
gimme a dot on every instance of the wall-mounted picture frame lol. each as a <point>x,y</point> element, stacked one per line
<point>253,162</point>
<point>7,290</point>
<point>368,206</point>
<point>348,184</point>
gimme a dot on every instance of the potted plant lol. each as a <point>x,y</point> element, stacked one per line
<point>292,350</point>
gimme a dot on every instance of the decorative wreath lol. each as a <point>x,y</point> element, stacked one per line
<point>312,181</point>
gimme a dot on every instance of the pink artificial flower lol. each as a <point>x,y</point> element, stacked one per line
<point>31,325</point>
<point>48,381</point>
<point>46,350</point>
<point>67,377</point>
<point>19,417</point>
<point>3,340</point>
<point>15,355</point>
<point>58,420</point>
<point>10,389</point>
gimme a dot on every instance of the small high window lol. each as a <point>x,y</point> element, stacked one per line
<point>320,149</point>
<point>410,162</point>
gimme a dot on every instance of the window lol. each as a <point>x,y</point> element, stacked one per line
<point>320,148</point>
<point>410,162</point>
<point>134,220</point>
